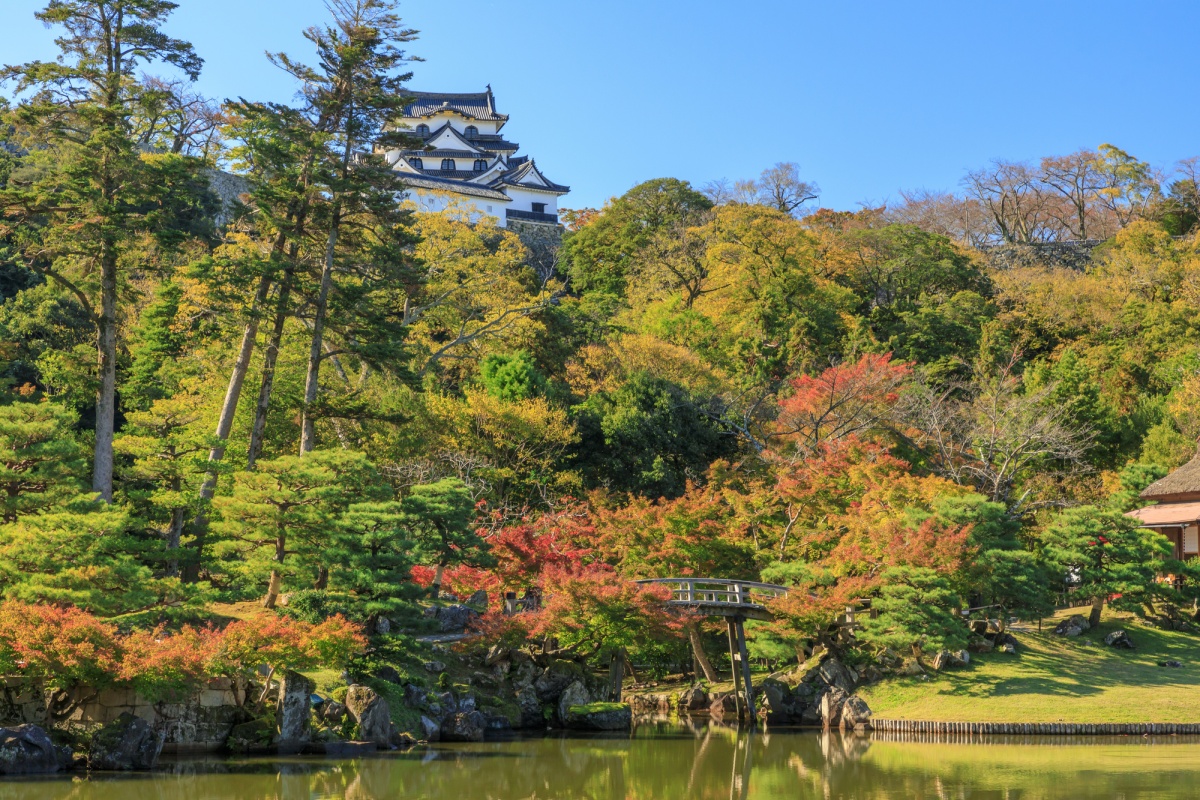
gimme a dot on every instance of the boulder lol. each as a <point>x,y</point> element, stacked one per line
<point>431,731</point>
<point>1170,663</point>
<point>126,743</point>
<point>911,669</point>
<point>402,740</point>
<point>1072,626</point>
<point>600,717</point>
<point>435,666</point>
<point>452,618</point>
<point>388,673</point>
<point>555,678</point>
<point>1119,639</point>
<point>836,674</point>
<point>479,599</point>
<point>694,699</point>
<point>530,708</point>
<point>333,712</point>
<point>371,713</point>
<point>495,655</point>
<point>294,711</point>
<point>465,726</point>
<point>27,750</point>
<point>1010,649</point>
<point>774,700</point>
<point>829,708</point>
<point>959,658</point>
<point>855,712</point>
<point>252,736</point>
<point>576,694</point>
<point>940,661</point>
<point>383,626</point>
<point>979,644</point>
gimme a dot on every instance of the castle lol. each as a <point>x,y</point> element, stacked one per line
<point>464,159</point>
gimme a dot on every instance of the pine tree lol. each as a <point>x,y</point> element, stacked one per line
<point>41,463</point>
<point>282,520</point>
<point>83,214</point>
<point>440,517</point>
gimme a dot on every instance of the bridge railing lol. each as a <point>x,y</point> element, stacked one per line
<point>717,591</point>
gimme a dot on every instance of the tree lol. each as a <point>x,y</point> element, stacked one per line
<point>373,559</point>
<point>844,400</point>
<point>358,88</point>
<point>41,463</point>
<point>598,256</point>
<point>512,377</point>
<point>281,521</point>
<point>648,436</point>
<point>595,612</point>
<point>440,517</point>
<point>781,188</point>
<point>1105,557</point>
<point>917,611</point>
<point>165,470</point>
<point>96,195</point>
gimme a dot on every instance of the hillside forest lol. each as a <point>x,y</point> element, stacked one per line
<point>317,399</point>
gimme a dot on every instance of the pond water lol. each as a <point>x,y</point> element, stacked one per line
<point>665,762</point>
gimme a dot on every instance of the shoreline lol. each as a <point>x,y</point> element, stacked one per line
<point>1036,728</point>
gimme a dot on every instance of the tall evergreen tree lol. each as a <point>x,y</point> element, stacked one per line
<point>95,195</point>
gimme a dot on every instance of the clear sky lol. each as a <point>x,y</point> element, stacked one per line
<point>868,97</point>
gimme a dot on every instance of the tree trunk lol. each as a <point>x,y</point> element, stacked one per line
<point>237,379</point>
<point>706,666</point>
<point>322,581</point>
<point>308,440</point>
<point>616,673</point>
<point>273,589</point>
<point>1097,608</point>
<point>174,534</point>
<point>436,586</point>
<point>276,584</point>
<point>106,395</point>
<point>270,356</point>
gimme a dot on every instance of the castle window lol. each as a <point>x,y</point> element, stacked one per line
<point>539,208</point>
<point>422,130</point>
<point>480,164</point>
<point>448,164</point>
<point>417,163</point>
<point>472,131</point>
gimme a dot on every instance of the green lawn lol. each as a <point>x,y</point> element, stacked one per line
<point>1054,679</point>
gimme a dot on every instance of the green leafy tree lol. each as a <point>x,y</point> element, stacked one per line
<point>1106,557</point>
<point>647,436</point>
<point>82,218</point>
<point>440,518</point>
<point>41,462</point>
<point>511,377</point>
<point>916,610</point>
<point>373,564</point>
<point>281,521</point>
<point>598,256</point>
<point>163,469</point>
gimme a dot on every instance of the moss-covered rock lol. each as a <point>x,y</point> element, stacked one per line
<point>600,717</point>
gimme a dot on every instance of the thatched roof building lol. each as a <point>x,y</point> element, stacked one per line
<point>1177,513</point>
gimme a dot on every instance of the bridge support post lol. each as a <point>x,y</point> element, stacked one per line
<point>733,663</point>
<point>738,654</point>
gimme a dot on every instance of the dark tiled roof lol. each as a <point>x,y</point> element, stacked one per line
<point>494,143</point>
<point>443,153</point>
<point>446,185</point>
<point>460,174</point>
<point>516,175</point>
<point>476,105</point>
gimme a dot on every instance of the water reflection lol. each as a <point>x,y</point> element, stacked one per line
<point>662,761</point>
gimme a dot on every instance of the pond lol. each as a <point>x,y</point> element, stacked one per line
<point>666,761</point>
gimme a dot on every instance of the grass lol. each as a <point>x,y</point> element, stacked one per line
<point>596,708</point>
<point>1056,679</point>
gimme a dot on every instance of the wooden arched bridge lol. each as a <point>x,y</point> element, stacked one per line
<point>735,601</point>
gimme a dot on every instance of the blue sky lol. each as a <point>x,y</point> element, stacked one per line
<point>868,97</point>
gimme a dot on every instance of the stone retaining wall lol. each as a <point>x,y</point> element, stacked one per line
<point>966,729</point>
<point>199,723</point>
